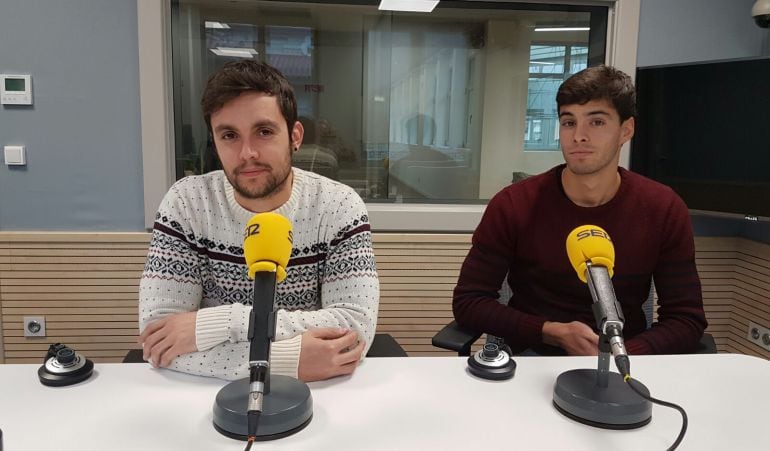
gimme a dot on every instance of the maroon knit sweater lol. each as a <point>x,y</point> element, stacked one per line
<point>523,234</point>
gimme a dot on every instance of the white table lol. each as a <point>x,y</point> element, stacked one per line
<point>393,404</point>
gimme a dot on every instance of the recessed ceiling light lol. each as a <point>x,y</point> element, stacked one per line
<point>419,6</point>
<point>234,51</point>
<point>562,29</point>
<point>218,25</point>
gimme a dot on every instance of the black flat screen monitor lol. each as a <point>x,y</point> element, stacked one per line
<point>704,130</point>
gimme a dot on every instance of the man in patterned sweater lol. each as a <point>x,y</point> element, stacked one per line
<point>195,294</point>
<point>524,229</point>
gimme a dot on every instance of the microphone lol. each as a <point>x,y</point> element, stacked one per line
<point>267,244</point>
<point>592,255</point>
<point>598,397</point>
<point>266,248</point>
<point>284,407</point>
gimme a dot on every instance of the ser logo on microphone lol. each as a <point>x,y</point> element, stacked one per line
<point>593,232</point>
<point>251,230</point>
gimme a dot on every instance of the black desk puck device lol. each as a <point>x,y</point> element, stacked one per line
<point>491,362</point>
<point>63,366</point>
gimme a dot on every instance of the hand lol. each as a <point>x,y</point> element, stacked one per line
<point>576,338</point>
<point>165,339</point>
<point>328,352</point>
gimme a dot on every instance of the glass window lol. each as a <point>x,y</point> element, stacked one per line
<point>446,107</point>
<point>547,63</point>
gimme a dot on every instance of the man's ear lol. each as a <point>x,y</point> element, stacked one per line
<point>297,133</point>
<point>627,129</point>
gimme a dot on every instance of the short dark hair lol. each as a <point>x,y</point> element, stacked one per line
<point>600,83</point>
<point>237,77</point>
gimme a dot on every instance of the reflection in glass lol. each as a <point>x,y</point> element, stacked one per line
<point>402,107</point>
<point>546,73</point>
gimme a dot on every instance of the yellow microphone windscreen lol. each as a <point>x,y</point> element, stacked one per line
<point>590,243</point>
<point>267,244</point>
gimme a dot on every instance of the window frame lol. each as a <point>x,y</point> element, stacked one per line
<point>155,72</point>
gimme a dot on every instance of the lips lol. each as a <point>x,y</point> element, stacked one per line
<point>250,172</point>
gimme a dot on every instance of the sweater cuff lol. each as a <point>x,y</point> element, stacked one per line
<point>284,357</point>
<point>214,325</point>
<point>531,328</point>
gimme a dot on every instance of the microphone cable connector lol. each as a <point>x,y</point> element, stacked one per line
<point>258,371</point>
<point>618,349</point>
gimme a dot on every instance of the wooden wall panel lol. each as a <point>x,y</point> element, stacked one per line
<point>86,285</point>
<point>751,296</point>
<point>418,273</point>
<point>716,259</point>
<point>735,274</point>
<point>4,262</point>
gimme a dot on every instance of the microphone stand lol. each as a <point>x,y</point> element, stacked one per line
<point>282,404</point>
<point>599,397</point>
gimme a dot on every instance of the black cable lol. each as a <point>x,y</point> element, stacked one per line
<point>253,424</point>
<point>253,421</point>
<point>639,392</point>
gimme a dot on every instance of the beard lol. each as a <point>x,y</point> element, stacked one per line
<point>274,180</point>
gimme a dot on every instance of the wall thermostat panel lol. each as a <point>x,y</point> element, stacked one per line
<point>15,89</point>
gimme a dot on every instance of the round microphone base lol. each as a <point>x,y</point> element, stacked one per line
<point>287,409</point>
<point>577,395</point>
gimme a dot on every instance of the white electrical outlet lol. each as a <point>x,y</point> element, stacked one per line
<point>759,335</point>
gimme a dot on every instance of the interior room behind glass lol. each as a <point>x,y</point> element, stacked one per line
<point>446,107</point>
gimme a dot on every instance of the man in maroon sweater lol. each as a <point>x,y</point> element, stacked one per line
<point>523,232</point>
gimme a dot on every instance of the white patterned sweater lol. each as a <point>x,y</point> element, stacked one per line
<point>196,262</point>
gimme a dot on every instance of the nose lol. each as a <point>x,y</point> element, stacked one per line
<point>249,150</point>
<point>581,132</point>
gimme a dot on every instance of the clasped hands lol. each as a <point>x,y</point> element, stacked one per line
<point>167,338</point>
<point>324,353</point>
<point>575,338</point>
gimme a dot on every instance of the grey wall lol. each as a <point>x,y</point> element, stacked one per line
<point>682,31</point>
<point>83,135</point>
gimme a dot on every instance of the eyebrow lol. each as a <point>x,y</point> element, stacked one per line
<point>258,124</point>
<point>590,113</point>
